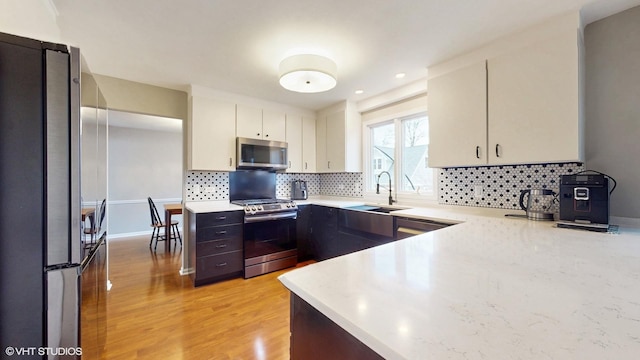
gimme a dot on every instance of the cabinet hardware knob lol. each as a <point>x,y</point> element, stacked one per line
<point>221,246</point>
<point>221,264</point>
<point>328,164</point>
<point>230,161</point>
<point>478,152</point>
<point>258,134</point>
<point>266,135</point>
<point>221,218</point>
<point>497,150</point>
<point>289,164</point>
<point>305,165</point>
<point>221,232</point>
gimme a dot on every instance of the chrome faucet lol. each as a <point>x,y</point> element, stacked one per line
<point>391,201</point>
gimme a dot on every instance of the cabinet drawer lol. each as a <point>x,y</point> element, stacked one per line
<point>217,265</point>
<point>219,232</point>
<point>219,218</point>
<point>215,247</point>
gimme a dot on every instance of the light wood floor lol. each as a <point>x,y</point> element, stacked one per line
<point>154,313</point>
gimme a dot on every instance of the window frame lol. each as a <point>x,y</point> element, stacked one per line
<point>402,196</point>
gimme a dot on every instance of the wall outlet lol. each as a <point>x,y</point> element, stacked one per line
<point>341,186</point>
<point>210,189</point>
<point>196,189</point>
<point>477,191</point>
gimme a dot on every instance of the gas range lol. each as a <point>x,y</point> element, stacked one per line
<point>267,209</point>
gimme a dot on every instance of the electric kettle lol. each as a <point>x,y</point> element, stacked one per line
<point>538,203</point>
<point>299,190</point>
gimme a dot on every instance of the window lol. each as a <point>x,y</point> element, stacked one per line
<point>406,163</point>
<point>383,150</point>
<point>416,175</point>
<point>377,164</point>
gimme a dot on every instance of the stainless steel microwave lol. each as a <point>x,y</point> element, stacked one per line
<point>261,154</point>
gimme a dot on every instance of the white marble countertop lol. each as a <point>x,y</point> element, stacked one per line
<point>488,288</point>
<point>211,206</point>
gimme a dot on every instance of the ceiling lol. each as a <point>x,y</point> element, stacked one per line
<point>237,45</point>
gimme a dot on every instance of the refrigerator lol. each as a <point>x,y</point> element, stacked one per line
<point>41,253</point>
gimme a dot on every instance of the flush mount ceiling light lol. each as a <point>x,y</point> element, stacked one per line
<point>308,73</point>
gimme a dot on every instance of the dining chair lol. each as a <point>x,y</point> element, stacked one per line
<point>157,224</point>
<point>95,227</point>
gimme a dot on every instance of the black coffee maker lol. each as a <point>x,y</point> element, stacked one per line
<point>584,201</point>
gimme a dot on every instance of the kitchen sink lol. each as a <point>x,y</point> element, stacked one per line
<point>382,210</point>
<point>372,208</point>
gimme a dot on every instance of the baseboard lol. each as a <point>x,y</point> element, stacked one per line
<point>123,236</point>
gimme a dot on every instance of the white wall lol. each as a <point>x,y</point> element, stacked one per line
<point>613,106</point>
<point>29,18</point>
<point>142,163</point>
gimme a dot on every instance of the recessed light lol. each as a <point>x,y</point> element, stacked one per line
<point>400,75</point>
<point>358,92</point>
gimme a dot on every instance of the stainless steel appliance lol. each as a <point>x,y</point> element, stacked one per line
<point>269,231</point>
<point>299,190</point>
<point>584,201</point>
<point>539,203</point>
<point>40,247</point>
<point>261,154</point>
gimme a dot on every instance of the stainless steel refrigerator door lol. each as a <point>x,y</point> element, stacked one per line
<point>63,308</point>
<point>58,162</point>
<point>75,178</point>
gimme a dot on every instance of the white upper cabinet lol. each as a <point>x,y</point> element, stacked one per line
<point>338,146</point>
<point>274,125</point>
<point>256,123</point>
<point>211,135</point>
<point>294,142</point>
<point>457,104</point>
<point>534,103</point>
<point>308,145</point>
<point>301,139</point>
<point>519,106</point>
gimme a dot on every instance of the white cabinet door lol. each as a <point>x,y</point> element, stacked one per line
<point>249,122</point>
<point>308,145</point>
<point>335,143</point>
<point>321,144</point>
<point>273,125</point>
<point>534,104</point>
<point>295,144</point>
<point>457,103</point>
<point>212,136</point>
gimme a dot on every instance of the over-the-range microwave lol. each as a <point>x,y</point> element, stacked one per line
<point>261,154</point>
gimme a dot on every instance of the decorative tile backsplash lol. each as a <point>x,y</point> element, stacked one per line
<point>501,185</point>
<point>207,185</point>
<point>342,184</point>
<point>210,185</point>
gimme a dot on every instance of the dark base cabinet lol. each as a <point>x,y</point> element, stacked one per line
<point>324,232</point>
<point>215,246</point>
<point>303,234</point>
<point>315,336</point>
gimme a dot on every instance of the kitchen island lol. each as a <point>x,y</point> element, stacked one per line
<point>487,288</point>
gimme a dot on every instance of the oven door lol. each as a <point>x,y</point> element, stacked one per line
<point>269,246</point>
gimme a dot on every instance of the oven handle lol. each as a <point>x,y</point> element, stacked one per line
<point>268,217</point>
